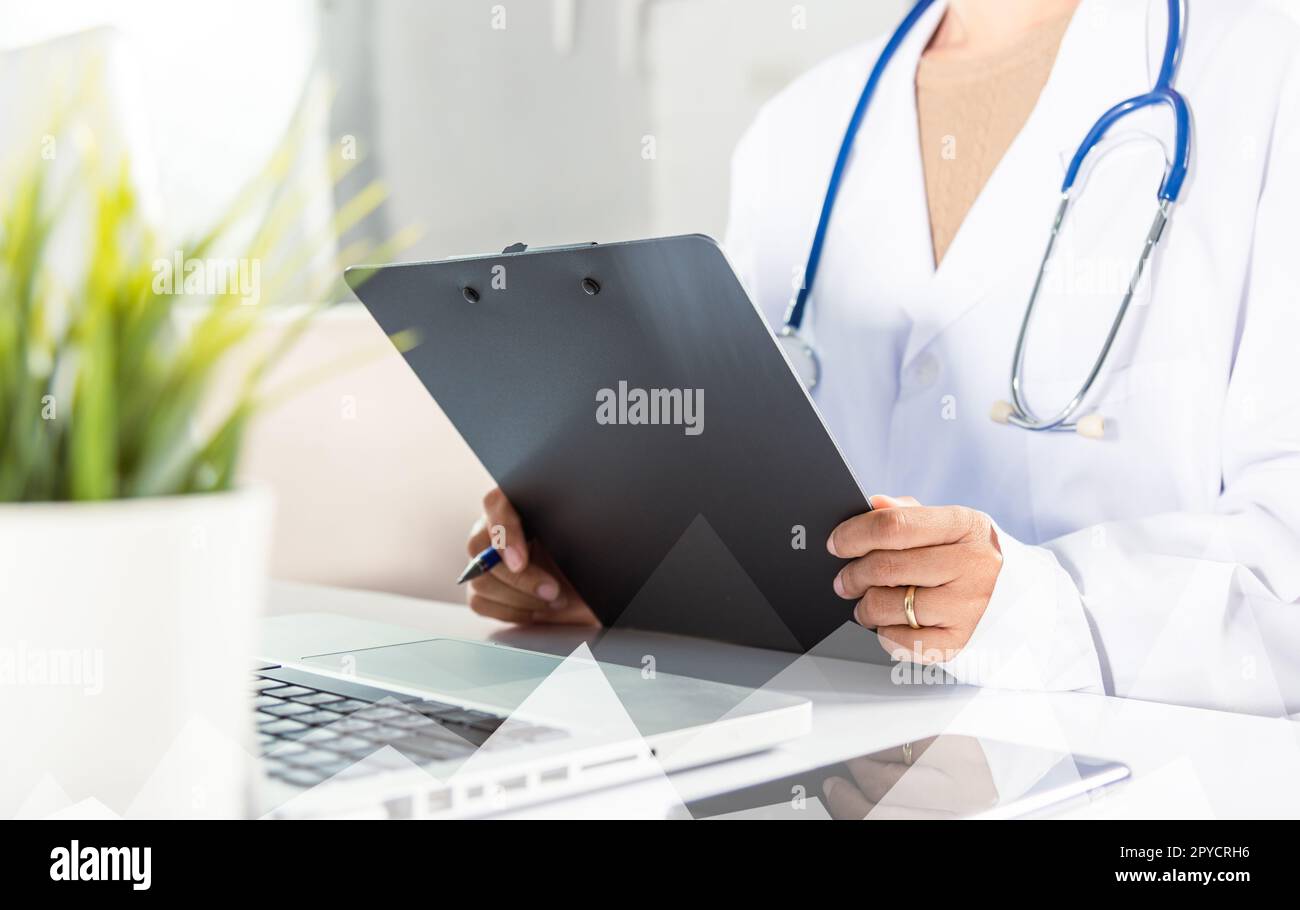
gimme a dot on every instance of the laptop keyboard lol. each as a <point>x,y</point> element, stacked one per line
<point>310,728</point>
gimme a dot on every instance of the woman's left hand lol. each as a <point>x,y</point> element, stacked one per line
<point>950,553</point>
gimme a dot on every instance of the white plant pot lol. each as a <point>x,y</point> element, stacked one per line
<point>125,634</point>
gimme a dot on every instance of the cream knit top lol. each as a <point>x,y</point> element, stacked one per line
<point>969,112</point>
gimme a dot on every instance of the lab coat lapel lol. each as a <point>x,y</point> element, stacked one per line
<point>1001,241</point>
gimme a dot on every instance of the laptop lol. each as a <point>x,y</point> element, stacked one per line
<point>449,728</point>
<point>637,411</point>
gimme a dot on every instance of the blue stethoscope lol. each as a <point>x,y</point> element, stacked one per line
<point>1017,412</point>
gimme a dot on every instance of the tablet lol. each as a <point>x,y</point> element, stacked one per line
<point>941,777</point>
<point>633,404</point>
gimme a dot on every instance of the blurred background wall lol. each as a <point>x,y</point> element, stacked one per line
<point>490,121</point>
<point>528,120</point>
<point>211,87</point>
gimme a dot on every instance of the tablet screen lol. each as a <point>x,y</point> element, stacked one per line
<point>948,776</point>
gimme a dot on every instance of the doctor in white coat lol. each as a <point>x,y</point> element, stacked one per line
<point>1161,561</point>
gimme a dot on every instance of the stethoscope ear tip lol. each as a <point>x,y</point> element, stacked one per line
<point>1093,426</point>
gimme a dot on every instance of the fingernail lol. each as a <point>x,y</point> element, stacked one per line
<point>830,545</point>
<point>548,590</point>
<point>828,785</point>
<point>514,558</point>
<point>839,584</point>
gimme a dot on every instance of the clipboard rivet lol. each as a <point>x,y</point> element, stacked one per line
<point>591,286</point>
<point>470,295</point>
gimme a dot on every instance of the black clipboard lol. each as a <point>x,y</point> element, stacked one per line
<point>719,533</point>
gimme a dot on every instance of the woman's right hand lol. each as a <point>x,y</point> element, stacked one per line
<point>526,586</point>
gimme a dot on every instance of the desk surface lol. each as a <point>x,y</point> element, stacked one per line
<point>1186,762</point>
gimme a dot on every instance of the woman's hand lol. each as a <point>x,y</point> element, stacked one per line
<point>526,587</point>
<point>950,553</point>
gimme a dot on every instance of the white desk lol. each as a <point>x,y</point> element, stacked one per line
<point>1186,762</point>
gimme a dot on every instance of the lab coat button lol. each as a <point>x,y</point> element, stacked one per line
<point>922,373</point>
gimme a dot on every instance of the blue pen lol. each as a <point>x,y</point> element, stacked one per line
<point>480,565</point>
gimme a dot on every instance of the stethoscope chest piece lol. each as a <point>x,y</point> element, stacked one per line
<point>801,356</point>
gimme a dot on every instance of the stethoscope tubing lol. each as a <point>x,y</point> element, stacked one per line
<point>794,316</point>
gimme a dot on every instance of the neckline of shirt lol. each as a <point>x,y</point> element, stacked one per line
<point>1041,41</point>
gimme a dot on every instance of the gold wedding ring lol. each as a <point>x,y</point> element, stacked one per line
<point>907,753</point>
<point>909,606</point>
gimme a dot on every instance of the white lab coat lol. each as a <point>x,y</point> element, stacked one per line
<point>1162,562</point>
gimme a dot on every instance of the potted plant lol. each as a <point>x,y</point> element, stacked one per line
<point>132,564</point>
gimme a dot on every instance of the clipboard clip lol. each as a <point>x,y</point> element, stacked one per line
<point>523,247</point>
